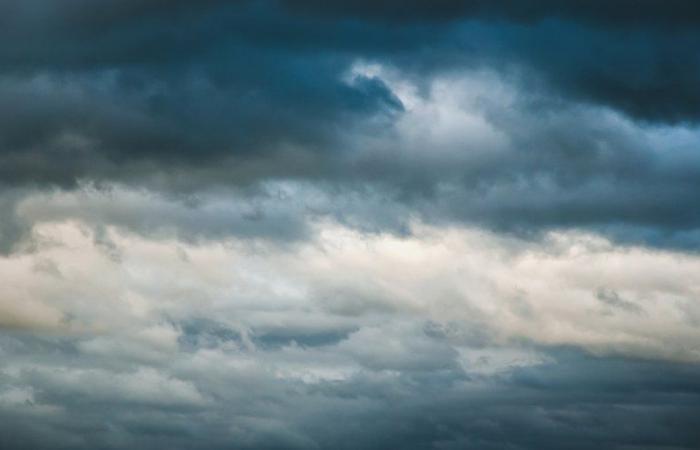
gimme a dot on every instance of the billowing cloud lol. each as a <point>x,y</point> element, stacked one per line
<point>260,345</point>
<point>298,224</point>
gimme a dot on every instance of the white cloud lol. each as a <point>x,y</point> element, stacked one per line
<point>546,292</point>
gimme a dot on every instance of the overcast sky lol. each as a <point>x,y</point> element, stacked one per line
<point>380,224</point>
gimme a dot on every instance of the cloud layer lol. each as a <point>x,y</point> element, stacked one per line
<point>278,224</point>
<point>141,343</point>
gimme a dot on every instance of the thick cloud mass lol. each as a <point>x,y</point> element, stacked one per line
<point>620,12</point>
<point>237,93</point>
<point>453,339</point>
<point>305,224</point>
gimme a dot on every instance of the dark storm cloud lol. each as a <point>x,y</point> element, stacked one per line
<point>638,56</point>
<point>673,12</point>
<point>182,81</point>
<point>186,95</point>
<point>172,86</point>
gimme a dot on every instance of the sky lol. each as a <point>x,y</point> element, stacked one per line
<point>367,225</point>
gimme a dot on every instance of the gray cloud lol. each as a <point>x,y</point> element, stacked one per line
<point>451,340</point>
<point>192,403</point>
<point>296,224</point>
<point>187,97</point>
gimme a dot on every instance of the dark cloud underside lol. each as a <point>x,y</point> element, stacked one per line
<point>241,92</point>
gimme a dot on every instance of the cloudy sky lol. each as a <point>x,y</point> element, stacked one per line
<point>380,224</point>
